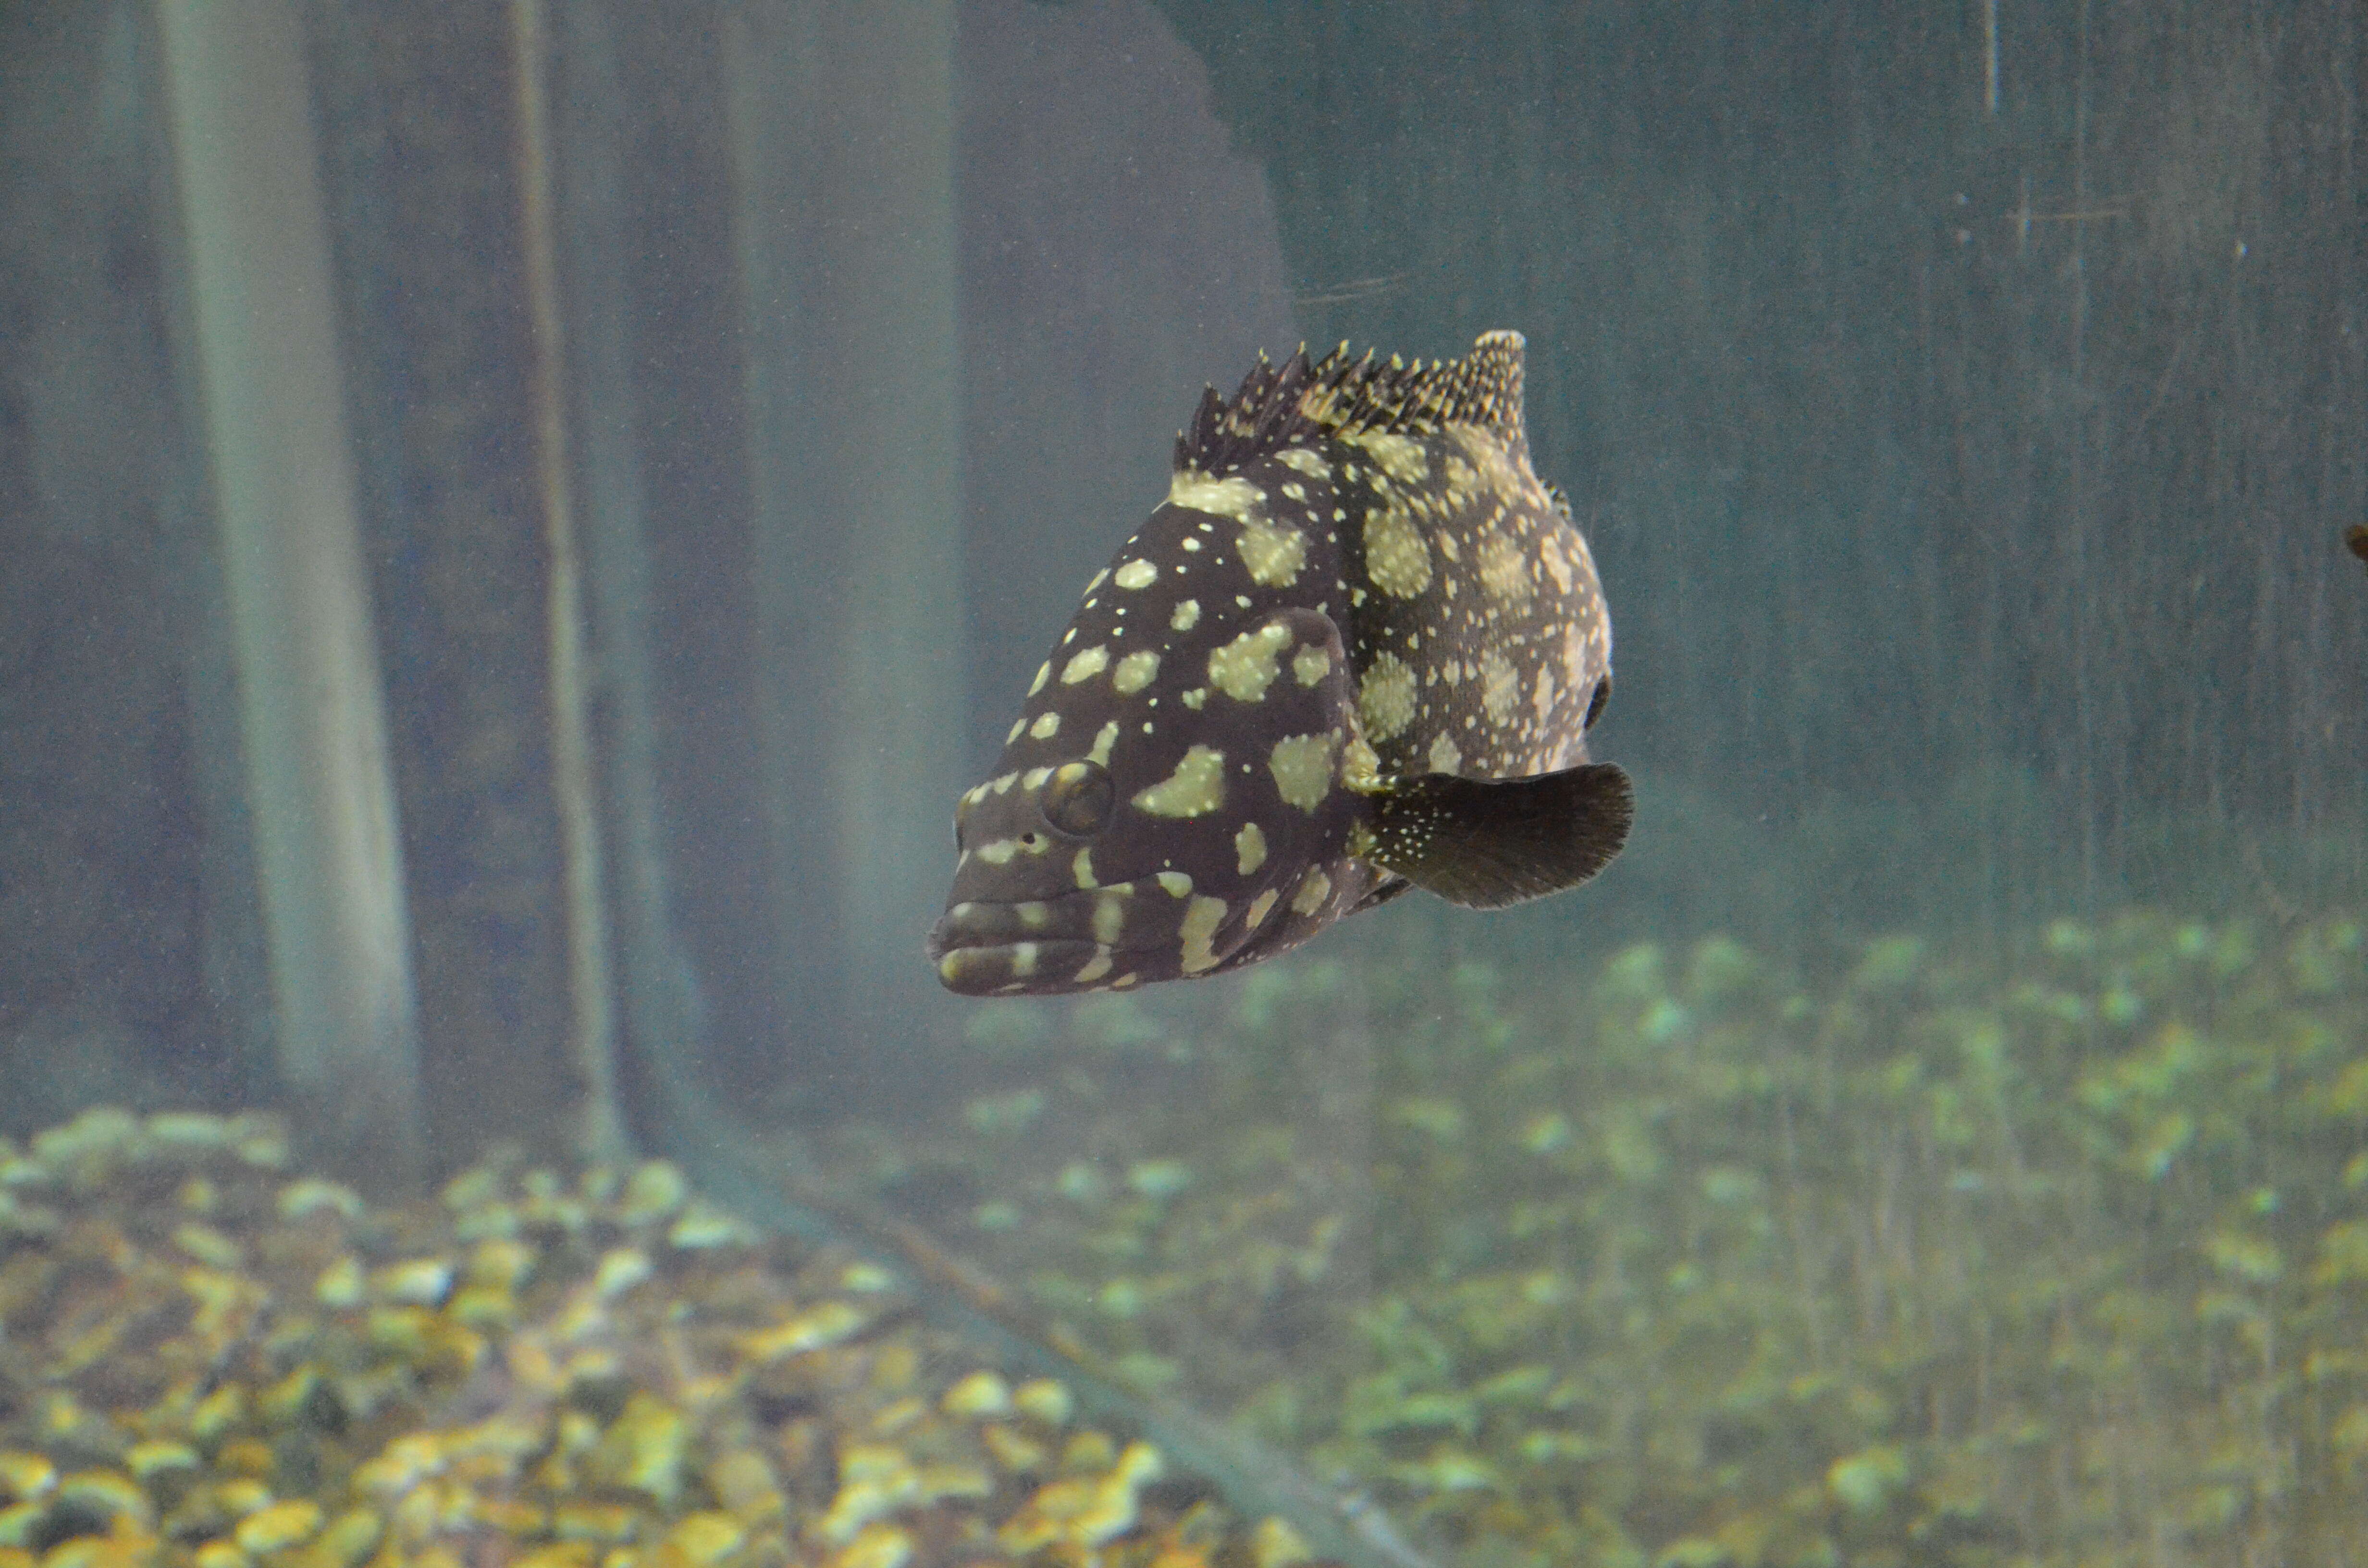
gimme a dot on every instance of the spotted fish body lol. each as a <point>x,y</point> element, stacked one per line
<point>1356,649</point>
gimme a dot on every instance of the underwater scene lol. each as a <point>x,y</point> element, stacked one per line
<point>1183,784</point>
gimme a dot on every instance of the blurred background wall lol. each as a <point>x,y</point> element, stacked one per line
<point>1963,400</point>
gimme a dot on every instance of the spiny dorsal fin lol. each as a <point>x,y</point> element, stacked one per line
<point>1278,406</point>
<point>1486,843</point>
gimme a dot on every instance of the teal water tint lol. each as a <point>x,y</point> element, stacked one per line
<point>1941,1136</point>
<point>1699,1258</point>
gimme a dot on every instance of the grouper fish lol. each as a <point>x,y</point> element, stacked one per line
<point>1356,650</point>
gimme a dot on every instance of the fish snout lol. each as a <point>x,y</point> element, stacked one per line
<point>982,950</point>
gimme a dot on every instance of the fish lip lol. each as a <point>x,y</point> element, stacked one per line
<point>989,937</point>
<point>990,969</point>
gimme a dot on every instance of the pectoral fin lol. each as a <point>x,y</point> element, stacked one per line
<point>1486,842</point>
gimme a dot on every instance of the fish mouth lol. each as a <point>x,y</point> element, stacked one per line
<point>991,949</point>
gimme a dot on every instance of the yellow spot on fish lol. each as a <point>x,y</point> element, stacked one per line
<point>1302,765</point>
<point>1043,673</point>
<point>1552,550</point>
<point>1095,967</point>
<point>1194,697</point>
<point>1272,554</point>
<point>1306,462</point>
<point>1249,847</point>
<point>1245,667</point>
<point>1444,758</point>
<point>1109,919</point>
<point>1000,852</point>
<point>1314,889</point>
<point>1045,726</point>
<point>1023,959</point>
<point>1395,557</point>
<point>1135,574</point>
<point>1034,778</point>
<point>1104,738</point>
<point>1195,789</point>
<point>1033,914</point>
<point>1086,665</point>
<point>1235,497</point>
<point>1311,665</point>
<point>1175,884</point>
<point>1500,686</point>
<point>1082,867</point>
<point>1260,906</point>
<point>1187,615</point>
<point>1135,671</point>
<point>1202,918</point>
<point>1359,770</point>
<point>1401,457</point>
<point>1017,725</point>
<point>1385,697</point>
<point>1504,570</point>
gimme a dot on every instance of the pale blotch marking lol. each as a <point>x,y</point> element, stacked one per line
<point>1302,765</point>
<point>1500,686</point>
<point>1092,662</point>
<point>1306,461</point>
<point>1109,919</point>
<point>1104,738</point>
<point>1033,914</point>
<point>1043,673</point>
<point>1401,457</point>
<point>1135,671</point>
<point>1000,852</point>
<point>1314,889</point>
<point>1249,848</point>
<point>1202,918</point>
<point>1559,567</point>
<point>1272,554</point>
<point>1385,697</point>
<point>1195,789</point>
<point>1360,768</point>
<point>1187,616</point>
<point>1194,697</point>
<point>1017,725</point>
<point>1135,574</point>
<point>1397,559</point>
<point>1023,959</point>
<point>1034,778</point>
<point>1541,700</point>
<point>1504,570</point>
<point>1175,884</point>
<point>1261,907</point>
<point>1245,667</point>
<point>1311,665</point>
<point>1046,727</point>
<point>1095,968</point>
<point>1235,497</point>
<point>1444,757</point>
<point>1082,867</point>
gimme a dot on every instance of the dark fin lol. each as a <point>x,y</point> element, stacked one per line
<point>1486,843</point>
<point>1297,402</point>
<point>1388,888</point>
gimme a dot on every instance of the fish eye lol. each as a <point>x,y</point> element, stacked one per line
<point>1078,799</point>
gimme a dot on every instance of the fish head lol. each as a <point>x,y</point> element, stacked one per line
<point>1183,761</point>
